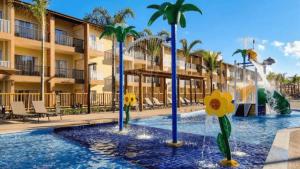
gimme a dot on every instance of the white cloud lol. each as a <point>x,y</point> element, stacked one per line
<point>264,41</point>
<point>292,49</point>
<point>261,47</point>
<point>277,44</point>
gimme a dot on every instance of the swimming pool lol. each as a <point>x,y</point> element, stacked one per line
<point>99,146</point>
<point>44,149</point>
<point>252,130</point>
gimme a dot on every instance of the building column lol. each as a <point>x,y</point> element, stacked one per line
<point>86,56</point>
<point>51,53</point>
<point>140,93</point>
<point>191,92</point>
<point>11,43</point>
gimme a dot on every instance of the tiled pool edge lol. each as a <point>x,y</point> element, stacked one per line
<point>278,156</point>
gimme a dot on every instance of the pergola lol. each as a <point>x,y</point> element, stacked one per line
<point>141,73</point>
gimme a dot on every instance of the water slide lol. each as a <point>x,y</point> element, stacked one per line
<point>268,95</point>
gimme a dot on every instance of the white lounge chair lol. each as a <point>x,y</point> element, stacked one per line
<point>169,101</point>
<point>182,101</point>
<point>39,108</point>
<point>149,102</point>
<point>157,102</point>
<point>18,109</point>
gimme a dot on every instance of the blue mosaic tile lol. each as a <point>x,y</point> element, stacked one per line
<point>197,152</point>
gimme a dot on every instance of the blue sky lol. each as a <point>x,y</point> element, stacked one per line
<point>275,24</point>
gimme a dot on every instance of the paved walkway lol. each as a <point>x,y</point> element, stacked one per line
<point>9,126</point>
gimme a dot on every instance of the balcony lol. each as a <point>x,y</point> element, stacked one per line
<point>29,33</point>
<point>30,70</point>
<point>94,75</point>
<point>180,64</point>
<point>64,73</point>
<point>78,76</point>
<point>5,64</point>
<point>66,40</point>
<point>95,46</point>
<point>4,26</point>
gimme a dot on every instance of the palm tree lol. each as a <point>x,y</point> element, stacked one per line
<point>187,50</point>
<point>101,16</point>
<point>271,77</point>
<point>294,81</point>
<point>174,14</point>
<point>211,63</point>
<point>120,31</point>
<point>280,78</point>
<point>151,47</point>
<point>39,10</point>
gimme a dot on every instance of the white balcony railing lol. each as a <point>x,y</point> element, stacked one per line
<point>96,75</point>
<point>95,45</point>
<point>64,40</point>
<point>4,26</point>
<point>4,63</point>
<point>180,64</point>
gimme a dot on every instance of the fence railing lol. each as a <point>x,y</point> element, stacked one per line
<point>65,100</point>
<point>4,25</point>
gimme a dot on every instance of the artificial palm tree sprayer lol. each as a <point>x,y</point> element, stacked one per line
<point>174,14</point>
<point>121,32</point>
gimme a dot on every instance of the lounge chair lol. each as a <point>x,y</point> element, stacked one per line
<point>188,101</point>
<point>182,101</point>
<point>40,109</point>
<point>157,102</point>
<point>169,101</point>
<point>18,109</point>
<point>149,102</point>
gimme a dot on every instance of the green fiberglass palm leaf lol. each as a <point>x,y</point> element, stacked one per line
<point>120,31</point>
<point>174,13</point>
<point>243,52</point>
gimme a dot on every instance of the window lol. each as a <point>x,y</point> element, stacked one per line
<point>1,55</point>
<point>61,68</point>
<point>26,29</point>
<point>1,15</point>
<point>61,37</point>
<point>27,65</point>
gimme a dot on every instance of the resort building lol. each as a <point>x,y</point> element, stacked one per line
<point>75,54</point>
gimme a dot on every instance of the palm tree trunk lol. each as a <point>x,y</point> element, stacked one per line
<point>185,80</point>
<point>152,80</point>
<point>42,85</point>
<point>211,83</point>
<point>113,79</point>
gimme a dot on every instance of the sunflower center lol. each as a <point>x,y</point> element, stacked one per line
<point>215,104</point>
<point>126,99</point>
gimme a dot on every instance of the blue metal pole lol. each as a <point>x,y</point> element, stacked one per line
<point>121,93</point>
<point>174,84</point>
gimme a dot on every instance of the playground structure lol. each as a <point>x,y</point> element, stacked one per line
<point>251,97</point>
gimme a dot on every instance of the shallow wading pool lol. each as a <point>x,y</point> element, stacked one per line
<point>101,146</point>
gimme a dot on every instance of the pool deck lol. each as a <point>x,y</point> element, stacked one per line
<point>10,126</point>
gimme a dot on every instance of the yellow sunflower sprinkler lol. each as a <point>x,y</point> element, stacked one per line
<point>220,104</point>
<point>129,100</point>
<point>252,54</point>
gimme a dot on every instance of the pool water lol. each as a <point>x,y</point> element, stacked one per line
<point>44,149</point>
<point>100,146</point>
<point>252,130</point>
